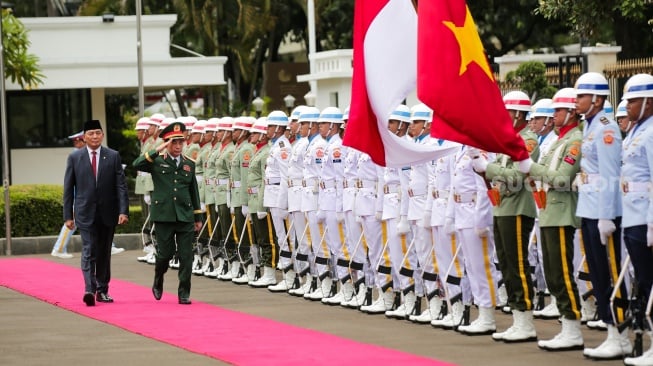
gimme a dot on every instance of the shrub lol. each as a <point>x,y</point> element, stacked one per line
<point>37,210</point>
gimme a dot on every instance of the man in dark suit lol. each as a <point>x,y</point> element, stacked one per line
<point>175,207</point>
<point>95,189</point>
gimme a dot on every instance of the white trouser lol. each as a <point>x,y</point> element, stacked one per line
<point>357,248</point>
<point>61,245</point>
<point>300,230</point>
<point>373,231</point>
<point>425,257</point>
<point>479,265</point>
<point>335,239</point>
<point>535,258</point>
<point>279,223</point>
<point>397,247</point>
<point>444,248</point>
<point>319,247</point>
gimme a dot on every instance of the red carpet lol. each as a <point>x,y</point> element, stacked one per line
<point>231,339</point>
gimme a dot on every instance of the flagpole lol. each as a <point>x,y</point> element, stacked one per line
<point>139,56</point>
<point>5,140</point>
<point>310,14</point>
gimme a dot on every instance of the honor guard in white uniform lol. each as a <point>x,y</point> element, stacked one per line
<point>636,188</point>
<point>470,211</point>
<point>276,195</point>
<point>330,202</point>
<point>395,209</point>
<point>622,118</point>
<point>313,161</point>
<point>599,208</point>
<point>295,197</point>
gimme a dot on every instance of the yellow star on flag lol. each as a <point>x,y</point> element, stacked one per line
<point>471,48</point>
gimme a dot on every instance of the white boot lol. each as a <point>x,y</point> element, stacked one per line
<point>452,319</point>
<point>484,324</point>
<point>597,324</point>
<point>587,310</point>
<point>614,347</point>
<point>405,309</point>
<point>357,300</point>
<point>646,359</point>
<point>303,289</point>
<point>570,338</point>
<point>345,294</point>
<point>249,274</point>
<point>430,313</point>
<point>232,272</point>
<point>322,290</point>
<point>382,304</point>
<point>216,271</point>
<point>285,284</point>
<point>268,278</point>
<point>549,312</point>
<point>523,328</point>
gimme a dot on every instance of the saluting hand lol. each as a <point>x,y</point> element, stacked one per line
<point>163,146</point>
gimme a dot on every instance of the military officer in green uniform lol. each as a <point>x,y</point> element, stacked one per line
<point>175,208</point>
<point>243,153</point>
<point>514,216</point>
<point>558,221</point>
<point>266,240</point>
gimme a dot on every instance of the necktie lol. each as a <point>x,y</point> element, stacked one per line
<point>94,163</point>
<point>176,161</point>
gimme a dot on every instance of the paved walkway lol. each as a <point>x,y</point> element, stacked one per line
<point>36,333</point>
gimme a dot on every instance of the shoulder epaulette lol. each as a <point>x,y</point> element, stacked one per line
<point>605,120</point>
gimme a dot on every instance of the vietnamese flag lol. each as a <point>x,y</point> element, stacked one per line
<point>455,79</point>
<point>385,67</point>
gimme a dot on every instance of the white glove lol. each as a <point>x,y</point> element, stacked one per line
<point>245,210</point>
<point>473,152</point>
<point>261,215</point>
<point>321,216</point>
<point>340,217</point>
<point>402,225</point>
<point>479,164</point>
<point>448,227</point>
<point>525,165</point>
<point>378,215</point>
<point>649,235</point>
<point>359,219</point>
<point>202,207</point>
<point>606,228</point>
<point>231,210</point>
<point>147,199</point>
<point>482,232</point>
<point>426,219</point>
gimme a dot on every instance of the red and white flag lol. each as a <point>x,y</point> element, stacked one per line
<point>455,79</point>
<point>385,72</point>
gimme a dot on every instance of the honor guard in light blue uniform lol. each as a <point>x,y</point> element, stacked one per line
<point>636,188</point>
<point>599,208</point>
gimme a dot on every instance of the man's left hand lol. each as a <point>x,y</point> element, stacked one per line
<point>198,225</point>
<point>123,219</point>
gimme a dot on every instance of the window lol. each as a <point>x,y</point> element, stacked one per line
<point>45,118</point>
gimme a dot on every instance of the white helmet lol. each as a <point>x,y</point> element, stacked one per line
<point>142,123</point>
<point>226,124</point>
<point>564,98</point>
<point>211,124</point>
<point>542,108</point>
<point>421,112</point>
<point>166,122</point>
<point>345,114</point>
<point>331,115</point>
<point>277,118</point>
<point>517,101</point>
<point>309,114</point>
<point>592,83</point>
<point>401,113</point>
<point>260,126</point>
<point>157,117</point>
<point>198,127</point>
<point>607,108</point>
<point>296,112</point>
<point>621,109</point>
<point>244,123</point>
<point>638,86</point>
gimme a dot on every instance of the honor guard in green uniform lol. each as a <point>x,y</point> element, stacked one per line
<point>514,216</point>
<point>243,153</point>
<point>223,196</point>
<point>175,208</point>
<point>558,220</point>
<point>264,233</point>
<point>213,149</point>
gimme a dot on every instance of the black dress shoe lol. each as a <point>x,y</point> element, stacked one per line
<point>89,299</point>
<point>184,301</point>
<point>102,297</point>
<point>157,287</point>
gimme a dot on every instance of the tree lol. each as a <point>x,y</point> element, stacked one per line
<point>21,67</point>
<point>530,78</point>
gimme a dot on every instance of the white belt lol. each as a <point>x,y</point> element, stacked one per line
<point>252,190</point>
<point>420,191</point>
<point>465,197</point>
<point>627,187</point>
<point>273,181</point>
<point>440,193</point>
<point>310,182</point>
<point>294,182</point>
<point>210,181</point>
<point>326,184</point>
<point>588,178</point>
<point>349,183</point>
<point>363,183</point>
<point>143,174</point>
<point>222,182</point>
<point>235,184</point>
<point>391,188</point>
